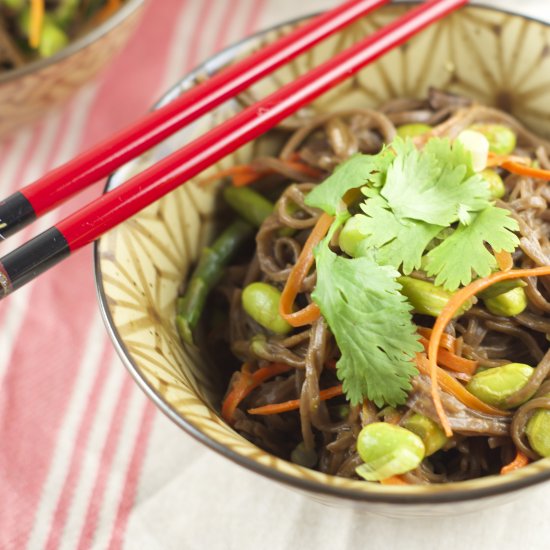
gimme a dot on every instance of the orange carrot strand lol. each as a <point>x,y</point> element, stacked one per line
<point>394,480</point>
<point>520,461</point>
<point>246,383</point>
<point>452,361</point>
<point>298,273</point>
<point>523,170</point>
<point>450,310</point>
<point>448,342</point>
<point>36,22</point>
<point>294,404</point>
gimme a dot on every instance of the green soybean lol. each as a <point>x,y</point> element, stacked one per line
<point>494,182</point>
<point>261,302</point>
<point>537,431</point>
<point>413,130</point>
<point>502,140</point>
<point>351,236</point>
<point>427,298</point>
<point>495,386</point>
<point>430,432</point>
<point>387,450</point>
<point>508,304</point>
<point>303,456</point>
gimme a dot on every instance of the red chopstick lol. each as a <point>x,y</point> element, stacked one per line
<point>58,185</point>
<point>90,222</point>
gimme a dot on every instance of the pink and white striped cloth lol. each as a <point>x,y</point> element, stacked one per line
<point>85,460</point>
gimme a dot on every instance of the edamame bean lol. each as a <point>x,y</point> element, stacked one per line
<point>351,236</point>
<point>261,302</point>
<point>508,304</point>
<point>387,450</point>
<point>413,130</point>
<point>537,431</point>
<point>304,457</point>
<point>478,146</point>
<point>495,386</point>
<point>52,40</point>
<point>494,182</point>
<point>427,298</point>
<point>502,140</point>
<point>430,432</point>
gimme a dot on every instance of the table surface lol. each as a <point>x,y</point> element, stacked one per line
<point>85,460</point>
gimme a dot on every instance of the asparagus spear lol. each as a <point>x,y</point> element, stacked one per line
<point>249,204</point>
<point>207,273</point>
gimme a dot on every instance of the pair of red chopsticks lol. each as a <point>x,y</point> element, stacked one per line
<point>91,221</point>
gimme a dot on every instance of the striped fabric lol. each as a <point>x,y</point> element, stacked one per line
<point>85,460</point>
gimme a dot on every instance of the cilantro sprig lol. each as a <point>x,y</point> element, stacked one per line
<point>422,209</point>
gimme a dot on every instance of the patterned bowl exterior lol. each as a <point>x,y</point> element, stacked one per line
<point>482,52</point>
<point>29,91</point>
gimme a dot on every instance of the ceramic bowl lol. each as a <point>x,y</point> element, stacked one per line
<point>499,58</point>
<point>27,92</point>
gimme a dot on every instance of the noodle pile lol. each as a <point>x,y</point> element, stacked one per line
<point>322,433</point>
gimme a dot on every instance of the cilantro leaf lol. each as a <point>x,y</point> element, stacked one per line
<point>435,185</point>
<point>463,253</point>
<point>356,172</point>
<point>372,324</point>
<point>397,241</point>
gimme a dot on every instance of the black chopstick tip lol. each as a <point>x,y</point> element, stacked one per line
<point>15,213</point>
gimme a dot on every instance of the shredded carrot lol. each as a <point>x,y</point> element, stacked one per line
<point>494,160</point>
<point>452,361</point>
<point>247,382</point>
<point>455,388</point>
<point>294,404</point>
<point>110,7</point>
<point>447,341</point>
<point>449,311</point>
<point>520,461</point>
<point>245,174</point>
<point>504,260</point>
<point>523,170</point>
<point>394,480</point>
<point>36,22</point>
<point>301,268</point>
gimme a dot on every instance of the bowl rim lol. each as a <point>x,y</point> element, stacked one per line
<point>440,493</point>
<point>83,41</point>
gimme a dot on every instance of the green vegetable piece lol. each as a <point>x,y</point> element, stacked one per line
<point>430,432</point>
<point>501,288</point>
<point>207,273</point>
<point>495,386</point>
<point>538,432</point>
<point>372,325</point>
<point>352,235</point>
<point>249,204</point>
<point>427,298</point>
<point>495,183</point>
<point>412,130</point>
<point>465,251</point>
<point>65,12</point>
<point>304,457</point>
<point>52,39</point>
<point>387,450</point>
<point>502,140</point>
<point>355,172</point>
<point>261,302</point>
<point>14,5</point>
<point>509,304</point>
